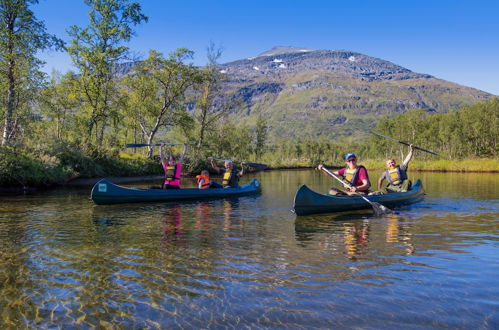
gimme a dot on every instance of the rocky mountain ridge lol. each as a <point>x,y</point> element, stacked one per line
<point>290,60</point>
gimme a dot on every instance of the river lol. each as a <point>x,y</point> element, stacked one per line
<point>250,262</point>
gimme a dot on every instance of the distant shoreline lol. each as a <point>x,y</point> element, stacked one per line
<point>461,166</point>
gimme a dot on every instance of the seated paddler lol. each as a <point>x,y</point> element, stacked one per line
<point>172,168</point>
<point>396,175</point>
<point>355,175</point>
<point>203,180</point>
<point>230,178</point>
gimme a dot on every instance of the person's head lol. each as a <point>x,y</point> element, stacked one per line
<point>351,160</point>
<point>228,164</point>
<point>171,160</point>
<point>390,163</point>
<point>205,173</point>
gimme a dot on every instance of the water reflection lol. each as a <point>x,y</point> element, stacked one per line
<point>249,262</point>
<point>172,222</point>
<point>356,235</point>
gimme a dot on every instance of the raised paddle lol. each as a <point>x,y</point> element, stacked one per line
<point>377,208</point>
<point>139,145</point>
<point>254,165</point>
<point>405,143</point>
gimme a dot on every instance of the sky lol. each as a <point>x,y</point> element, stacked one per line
<point>453,40</point>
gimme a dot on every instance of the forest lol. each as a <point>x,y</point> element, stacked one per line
<point>76,124</point>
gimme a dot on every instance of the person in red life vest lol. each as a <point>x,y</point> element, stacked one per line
<point>230,177</point>
<point>354,174</point>
<point>172,168</point>
<point>396,175</point>
<point>203,180</point>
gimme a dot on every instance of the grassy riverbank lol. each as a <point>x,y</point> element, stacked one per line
<point>61,163</point>
<point>35,168</point>
<point>464,165</point>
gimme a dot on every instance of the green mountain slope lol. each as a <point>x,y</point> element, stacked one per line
<point>304,92</point>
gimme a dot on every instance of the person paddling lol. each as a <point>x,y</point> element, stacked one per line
<point>354,174</point>
<point>231,175</point>
<point>173,170</point>
<point>396,174</point>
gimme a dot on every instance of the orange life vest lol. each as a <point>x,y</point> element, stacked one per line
<point>206,183</point>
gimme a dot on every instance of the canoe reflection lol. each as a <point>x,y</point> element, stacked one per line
<point>355,235</point>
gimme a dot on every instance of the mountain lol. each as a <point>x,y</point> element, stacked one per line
<point>332,93</point>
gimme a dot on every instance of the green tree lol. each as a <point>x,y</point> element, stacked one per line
<point>58,101</point>
<point>261,131</point>
<point>157,89</point>
<point>211,106</point>
<point>96,50</point>
<point>22,35</point>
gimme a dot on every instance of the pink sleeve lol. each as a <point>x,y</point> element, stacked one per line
<point>342,171</point>
<point>362,174</point>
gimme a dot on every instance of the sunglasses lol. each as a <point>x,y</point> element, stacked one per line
<point>351,160</point>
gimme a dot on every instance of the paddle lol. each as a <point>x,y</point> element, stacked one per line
<point>139,145</point>
<point>377,208</point>
<point>407,144</point>
<point>254,165</point>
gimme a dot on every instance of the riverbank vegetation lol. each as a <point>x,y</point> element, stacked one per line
<point>76,124</point>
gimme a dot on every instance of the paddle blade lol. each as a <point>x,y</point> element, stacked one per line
<point>257,166</point>
<point>379,209</point>
<point>136,145</point>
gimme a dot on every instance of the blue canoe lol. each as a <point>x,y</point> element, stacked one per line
<point>308,201</point>
<point>105,192</point>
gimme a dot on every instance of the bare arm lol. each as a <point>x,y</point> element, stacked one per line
<point>214,165</point>
<point>241,173</point>
<point>321,166</point>
<point>201,183</point>
<point>380,182</point>
<point>365,185</point>
<point>162,156</point>
<point>409,156</point>
<point>181,161</point>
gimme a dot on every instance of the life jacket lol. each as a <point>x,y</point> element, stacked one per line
<point>170,172</point>
<point>206,182</point>
<point>230,179</point>
<point>396,176</point>
<point>350,176</point>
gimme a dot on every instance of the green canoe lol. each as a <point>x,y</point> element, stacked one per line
<point>308,201</point>
<point>105,192</point>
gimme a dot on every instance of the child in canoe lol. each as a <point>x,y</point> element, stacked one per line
<point>203,180</point>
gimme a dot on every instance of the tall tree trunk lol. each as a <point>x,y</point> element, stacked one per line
<point>11,96</point>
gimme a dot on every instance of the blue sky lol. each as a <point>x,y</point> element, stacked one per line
<point>452,40</point>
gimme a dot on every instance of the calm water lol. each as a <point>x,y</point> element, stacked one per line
<point>251,262</point>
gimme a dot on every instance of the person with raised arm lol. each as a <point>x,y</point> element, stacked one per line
<point>396,175</point>
<point>172,168</point>
<point>230,174</point>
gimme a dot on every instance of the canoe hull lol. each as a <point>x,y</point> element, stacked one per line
<point>105,192</point>
<point>308,201</point>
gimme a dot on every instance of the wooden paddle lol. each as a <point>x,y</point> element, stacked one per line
<point>254,165</point>
<point>405,143</point>
<point>377,208</point>
<point>139,145</point>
